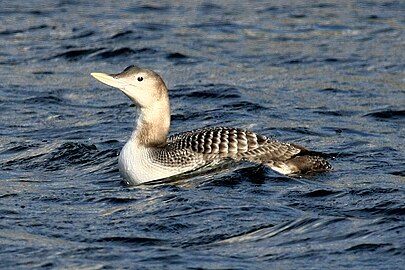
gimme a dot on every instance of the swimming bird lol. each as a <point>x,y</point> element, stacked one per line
<point>151,154</point>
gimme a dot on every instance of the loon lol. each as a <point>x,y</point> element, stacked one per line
<point>150,154</point>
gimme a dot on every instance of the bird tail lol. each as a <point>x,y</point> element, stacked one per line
<point>305,164</point>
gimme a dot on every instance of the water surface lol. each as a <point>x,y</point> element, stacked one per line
<point>327,75</point>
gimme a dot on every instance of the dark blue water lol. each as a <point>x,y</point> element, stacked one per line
<point>325,74</point>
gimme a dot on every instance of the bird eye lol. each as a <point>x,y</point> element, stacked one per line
<point>140,79</point>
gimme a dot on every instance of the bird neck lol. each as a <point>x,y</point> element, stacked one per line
<point>153,124</point>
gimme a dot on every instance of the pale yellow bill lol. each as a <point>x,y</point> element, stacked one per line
<point>107,79</point>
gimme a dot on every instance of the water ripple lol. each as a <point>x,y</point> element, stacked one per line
<point>327,75</point>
